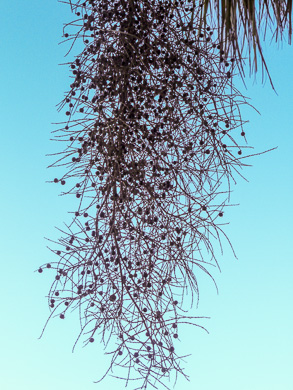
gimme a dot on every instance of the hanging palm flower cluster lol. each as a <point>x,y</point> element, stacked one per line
<point>151,117</point>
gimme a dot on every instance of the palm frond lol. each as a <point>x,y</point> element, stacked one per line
<point>240,23</point>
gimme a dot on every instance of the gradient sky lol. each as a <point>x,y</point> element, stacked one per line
<point>250,340</point>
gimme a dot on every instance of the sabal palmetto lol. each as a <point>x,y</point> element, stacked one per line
<point>153,120</point>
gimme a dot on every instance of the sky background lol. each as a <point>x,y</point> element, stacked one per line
<point>250,340</point>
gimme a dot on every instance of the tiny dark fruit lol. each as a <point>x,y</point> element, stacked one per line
<point>91,340</point>
<point>40,270</point>
<point>62,316</point>
<point>112,298</point>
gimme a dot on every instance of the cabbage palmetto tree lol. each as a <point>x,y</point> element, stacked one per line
<point>152,140</point>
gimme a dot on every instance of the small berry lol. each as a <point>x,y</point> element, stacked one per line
<point>112,298</point>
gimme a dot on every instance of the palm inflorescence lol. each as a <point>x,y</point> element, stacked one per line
<point>151,117</point>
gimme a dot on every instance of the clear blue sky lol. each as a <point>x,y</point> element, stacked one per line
<point>251,327</point>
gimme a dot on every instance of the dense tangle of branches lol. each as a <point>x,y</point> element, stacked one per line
<point>150,143</point>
